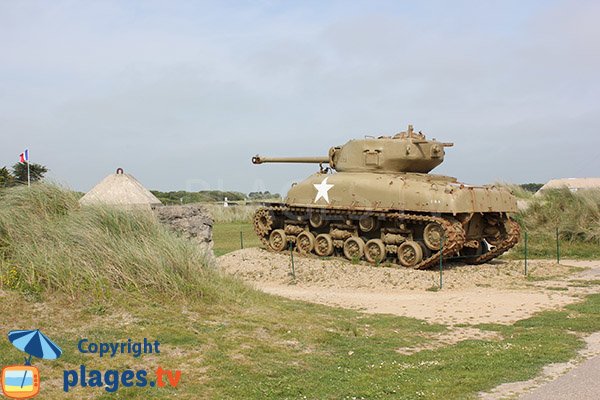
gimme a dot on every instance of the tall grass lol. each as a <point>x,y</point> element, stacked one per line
<point>231,214</point>
<point>518,191</point>
<point>575,214</point>
<point>49,243</point>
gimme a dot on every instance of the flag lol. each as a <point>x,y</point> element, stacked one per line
<point>24,156</point>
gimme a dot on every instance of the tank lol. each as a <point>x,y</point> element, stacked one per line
<point>375,199</point>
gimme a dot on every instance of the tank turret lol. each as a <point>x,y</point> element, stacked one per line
<point>379,202</point>
<point>403,152</point>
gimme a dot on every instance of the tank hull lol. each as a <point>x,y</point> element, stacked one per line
<point>399,192</point>
<point>409,219</point>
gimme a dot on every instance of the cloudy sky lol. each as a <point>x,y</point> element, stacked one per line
<point>182,93</point>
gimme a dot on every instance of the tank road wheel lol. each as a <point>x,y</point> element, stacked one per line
<point>368,224</point>
<point>375,251</point>
<point>278,240</point>
<point>263,222</point>
<point>354,247</point>
<point>324,245</point>
<point>316,220</point>
<point>432,235</point>
<point>410,253</point>
<point>305,242</point>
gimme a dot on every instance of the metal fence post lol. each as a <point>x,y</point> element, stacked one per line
<point>525,253</point>
<point>441,261</point>
<point>557,247</point>
<point>292,258</point>
<point>241,239</point>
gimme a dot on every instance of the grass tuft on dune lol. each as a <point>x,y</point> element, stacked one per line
<point>49,243</point>
<point>576,215</point>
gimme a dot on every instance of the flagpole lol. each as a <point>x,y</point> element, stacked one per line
<point>28,175</point>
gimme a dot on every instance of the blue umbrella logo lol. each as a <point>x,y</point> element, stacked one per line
<point>36,344</point>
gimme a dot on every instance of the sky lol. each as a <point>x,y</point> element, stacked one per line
<point>182,94</point>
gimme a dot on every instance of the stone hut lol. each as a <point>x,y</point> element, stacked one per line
<point>120,189</point>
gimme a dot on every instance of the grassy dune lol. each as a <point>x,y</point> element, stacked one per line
<point>49,244</point>
<point>575,214</point>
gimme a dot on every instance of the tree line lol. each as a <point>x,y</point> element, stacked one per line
<point>17,175</point>
<point>207,196</point>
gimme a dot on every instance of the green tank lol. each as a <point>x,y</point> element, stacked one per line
<point>374,199</point>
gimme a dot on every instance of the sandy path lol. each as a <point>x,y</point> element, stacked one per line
<point>447,307</point>
<point>496,292</point>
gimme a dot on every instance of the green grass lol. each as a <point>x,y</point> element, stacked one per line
<point>541,245</point>
<point>226,237</point>
<point>270,348</point>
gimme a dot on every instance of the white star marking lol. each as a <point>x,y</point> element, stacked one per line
<point>322,189</point>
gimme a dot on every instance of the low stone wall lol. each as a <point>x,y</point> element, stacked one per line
<point>191,221</point>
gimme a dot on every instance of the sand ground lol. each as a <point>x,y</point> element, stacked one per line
<point>495,292</point>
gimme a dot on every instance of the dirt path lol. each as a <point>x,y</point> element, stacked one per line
<point>495,292</point>
<point>447,307</point>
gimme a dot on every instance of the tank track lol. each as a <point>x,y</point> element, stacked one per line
<point>454,237</point>
<point>513,234</point>
<point>453,232</point>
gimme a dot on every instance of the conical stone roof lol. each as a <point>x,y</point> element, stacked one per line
<point>120,189</point>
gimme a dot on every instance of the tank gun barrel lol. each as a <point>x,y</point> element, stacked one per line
<point>305,160</point>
